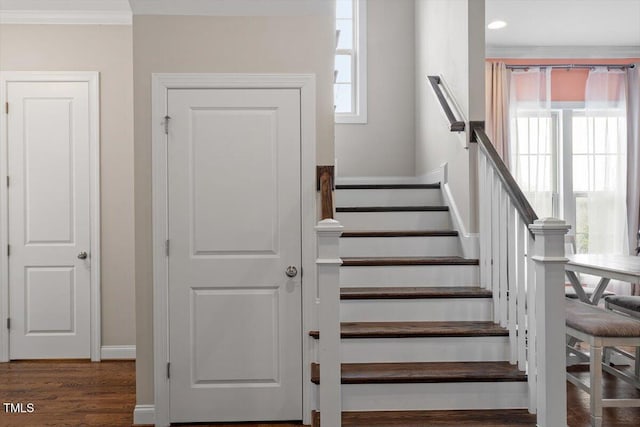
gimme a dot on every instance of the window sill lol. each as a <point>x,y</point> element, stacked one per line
<point>357,119</point>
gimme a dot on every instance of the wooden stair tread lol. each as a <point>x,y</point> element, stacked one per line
<point>381,261</point>
<point>475,418</point>
<point>433,208</point>
<point>418,329</point>
<point>424,372</point>
<point>414,292</point>
<point>402,233</point>
<point>387,186</point>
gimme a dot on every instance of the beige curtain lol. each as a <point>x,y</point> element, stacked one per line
<point>497,107</point>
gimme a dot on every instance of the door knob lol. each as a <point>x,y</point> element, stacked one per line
<point>291,271</point>
<point>82,255</point>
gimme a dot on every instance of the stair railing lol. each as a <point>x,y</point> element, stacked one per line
<point>522,263</point>
<point>328,264</point>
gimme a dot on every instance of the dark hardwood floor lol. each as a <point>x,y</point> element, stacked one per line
<point>80,393</point>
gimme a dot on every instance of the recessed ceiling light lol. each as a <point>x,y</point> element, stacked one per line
<point>496,25</point>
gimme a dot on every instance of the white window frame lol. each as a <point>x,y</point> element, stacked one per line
<point>556,157</point>
<point>570,110</point>
<point>358,67</point>
<point>564,198</point>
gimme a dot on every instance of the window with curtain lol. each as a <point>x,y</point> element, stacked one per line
<point>534,138</point>
<point>534,159</point>
<point>599,171</point>
<point>570,158</point>
<point>350,62</point>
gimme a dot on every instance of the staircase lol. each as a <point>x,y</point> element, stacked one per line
<point>418,341</point>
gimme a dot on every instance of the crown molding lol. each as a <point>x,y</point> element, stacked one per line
<point>65,17</point>
<point>547,52</point>
<point>232,7</point>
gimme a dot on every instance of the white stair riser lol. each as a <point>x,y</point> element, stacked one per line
<point>432,396</point>
<point>431,349</point>
<point>405,310</point>
<point>409,275</point>
<point>400,246</point>
<point>394,221</point>
<point>391,197</point>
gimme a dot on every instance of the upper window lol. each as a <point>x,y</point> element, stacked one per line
<point>350,80</point>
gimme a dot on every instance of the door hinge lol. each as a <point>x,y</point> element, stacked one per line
<point>8,250</point>
<point>166,247</point>
<point>166,124</point>
<point>6,108</point>
<point>168,369</point>
<point>301,272</point>
<point>7,181</point>
<point>8,323</point>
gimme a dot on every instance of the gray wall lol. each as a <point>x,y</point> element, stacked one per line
<point>107,49</point>
<point>384,146</point>
<point>450,42</point>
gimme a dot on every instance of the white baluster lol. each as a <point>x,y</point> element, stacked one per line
<point>495,245</point>
<point>512,281</point>
<point>328,262</point>
<point>504,237</point>
<point>521,306</point>
<point>486,202</point>
<point>482,212</point>
<point>531,326</point>
<point>550,321</point>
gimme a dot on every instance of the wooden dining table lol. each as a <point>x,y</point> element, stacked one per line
<point>625,268</point>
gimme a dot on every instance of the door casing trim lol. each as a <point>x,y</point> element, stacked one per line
<point>92,78</point>
<point>161,83</point>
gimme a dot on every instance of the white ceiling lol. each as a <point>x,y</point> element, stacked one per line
<point>564,23</point>
<point>576,23</point>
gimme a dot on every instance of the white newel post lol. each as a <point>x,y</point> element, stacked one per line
<point>549,259</point>
<point>329,263</point>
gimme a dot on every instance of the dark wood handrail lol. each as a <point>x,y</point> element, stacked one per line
<point>518,198</point>
<point>455,125</point>
<point>325,179</point>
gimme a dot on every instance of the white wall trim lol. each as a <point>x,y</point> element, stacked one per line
<point>92,78</point>
<point>562,51</point>
<point>161,83</point>
<point>144,415</point>
<point>232,7</point>
<point>118,352</point>
<point>65,17</point>
<point>470,241</point>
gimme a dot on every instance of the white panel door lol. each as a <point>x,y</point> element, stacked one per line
<point>49,214</point>
<point>234,228</point>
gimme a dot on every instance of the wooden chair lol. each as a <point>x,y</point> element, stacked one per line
<point>629,306</point>
<point>600,328</point>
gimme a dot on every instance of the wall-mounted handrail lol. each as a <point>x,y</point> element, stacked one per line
<point>512,188</point>
<point>455,125</point>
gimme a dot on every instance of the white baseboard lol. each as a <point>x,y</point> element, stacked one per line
<point>470,241</point>
<point>118,352</point>
<point>144,414</point>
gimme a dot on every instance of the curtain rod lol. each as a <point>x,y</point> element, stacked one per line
<point>569,66</point>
